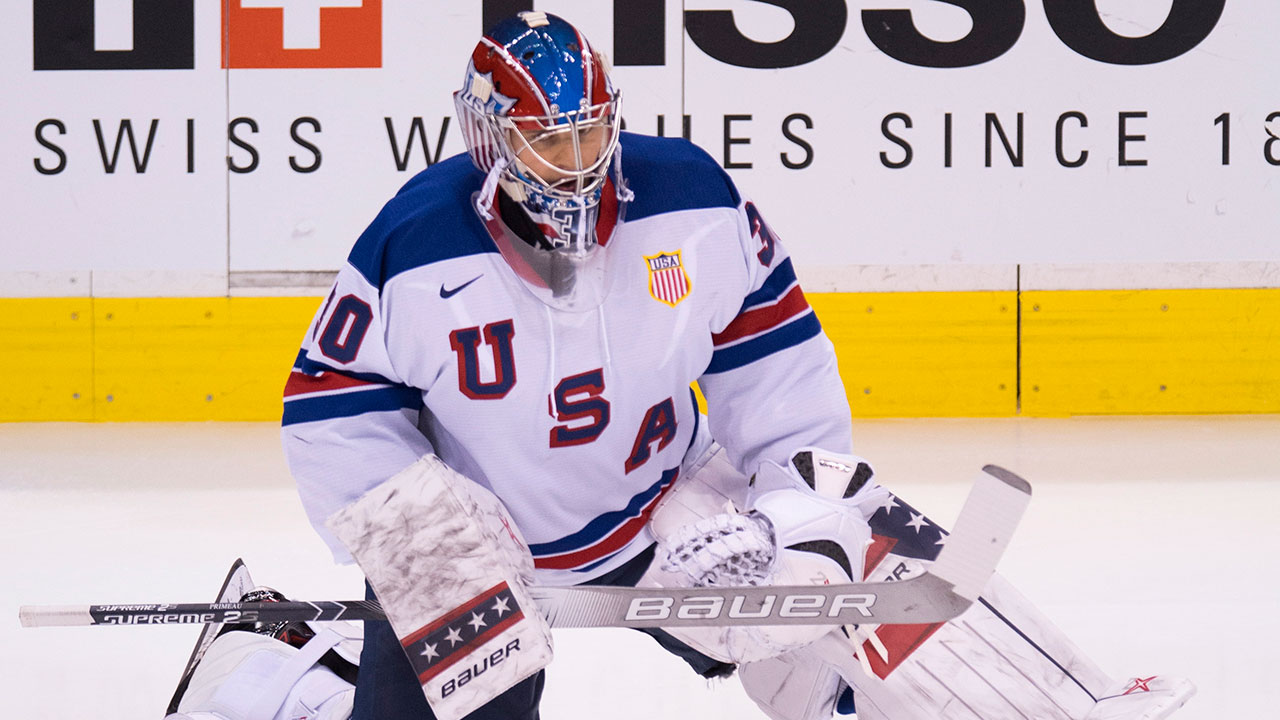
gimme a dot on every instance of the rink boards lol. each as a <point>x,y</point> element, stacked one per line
<point>902,354</point>
<point>975,185</point>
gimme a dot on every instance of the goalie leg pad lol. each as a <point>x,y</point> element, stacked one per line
<point>449,567</point>
<point>793,686</point>
<point>1143,698</point>
<point>247,676</point>
<point>1001,658</point>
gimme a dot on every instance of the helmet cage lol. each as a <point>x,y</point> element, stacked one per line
<point>576,147</point>
<point>567,202</point>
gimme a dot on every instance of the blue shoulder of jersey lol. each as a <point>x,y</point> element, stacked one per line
<point>672,174</point>
<point>430,219</point>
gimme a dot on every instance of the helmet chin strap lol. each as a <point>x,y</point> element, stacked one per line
<point>578,242</point>
<point>488,191</point>
<point>621,190</point>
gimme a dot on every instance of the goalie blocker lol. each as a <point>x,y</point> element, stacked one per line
<point>468,626</point>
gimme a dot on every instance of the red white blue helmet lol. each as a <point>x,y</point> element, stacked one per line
<point>541,118</point>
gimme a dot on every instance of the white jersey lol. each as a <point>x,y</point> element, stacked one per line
<point>579,422</point>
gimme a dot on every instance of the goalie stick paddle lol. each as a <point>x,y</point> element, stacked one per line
<point>237,583</point>
<point>982,531</point>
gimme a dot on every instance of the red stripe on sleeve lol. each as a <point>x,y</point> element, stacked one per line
<point>301,383</point>
<point>763,318</point>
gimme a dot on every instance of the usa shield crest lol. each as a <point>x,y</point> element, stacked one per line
<point>668,282</point>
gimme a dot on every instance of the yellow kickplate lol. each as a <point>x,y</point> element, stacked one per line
<point>924,354</point>
<point>196,358</point>
<point>900,354</point>
<point>1151,351</point>
<point>47,359</point>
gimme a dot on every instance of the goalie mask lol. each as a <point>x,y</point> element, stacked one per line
<point>541,119</point>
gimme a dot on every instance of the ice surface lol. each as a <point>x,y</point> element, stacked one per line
<point>1151,541</point>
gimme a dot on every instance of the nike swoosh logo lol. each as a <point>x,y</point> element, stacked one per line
<point>446,293</point>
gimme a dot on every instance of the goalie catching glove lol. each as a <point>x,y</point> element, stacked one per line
<point>805,524</point>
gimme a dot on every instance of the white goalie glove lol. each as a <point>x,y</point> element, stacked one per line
<point>804,524</point>
<point>727,549</point>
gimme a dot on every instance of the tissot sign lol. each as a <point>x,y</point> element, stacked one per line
<point>287,33</point>
<point>872,132</point>
<point>819,26</point>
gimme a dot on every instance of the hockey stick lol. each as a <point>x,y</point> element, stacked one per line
<point>237,583</point>
<point>983,530</point>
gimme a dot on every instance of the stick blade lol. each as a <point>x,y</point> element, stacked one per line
<point>1008,478</point>
<point>982,532</point>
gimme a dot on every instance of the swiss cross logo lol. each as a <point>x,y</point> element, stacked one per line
<point>301,33</point>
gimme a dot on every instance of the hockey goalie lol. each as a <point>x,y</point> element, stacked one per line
<point>496,395</point>
<point>1000,659</point>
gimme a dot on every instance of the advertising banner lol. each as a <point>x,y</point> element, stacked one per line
<point>176,147</point>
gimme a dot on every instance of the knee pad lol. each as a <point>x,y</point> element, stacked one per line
<point>247,676</point>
